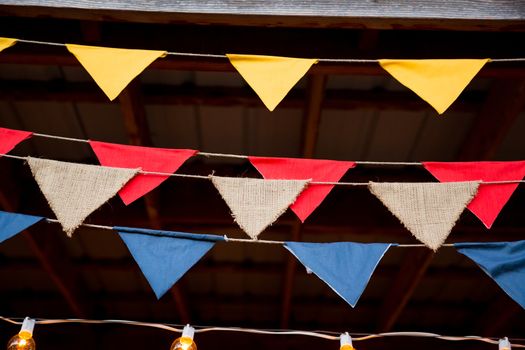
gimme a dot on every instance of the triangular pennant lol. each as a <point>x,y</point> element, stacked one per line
<point>11,224</point>
<point>345,267</point>
<point>439,82</point>
<point>428,210</point>
<point>113,69</point>
<point>161,160</point>
<point>255,203</point>
<point>490,198</point>
<point>164,256</point>
<point>6,42</point>
<point>74,191</point>
<point>319,170</point>
<point>271,77</point>
<point>9,138</point>
<point>504,262</point>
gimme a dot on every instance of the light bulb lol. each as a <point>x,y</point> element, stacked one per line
<point>504,344</point>
<point>24,339</point>
<point>185,342</point>
<point>346,342</point>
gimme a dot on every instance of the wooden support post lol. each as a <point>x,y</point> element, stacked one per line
<point>134,113</point>
<point>504,103</point>
<point>312,118</point>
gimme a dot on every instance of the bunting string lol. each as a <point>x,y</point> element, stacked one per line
<point>238,240</point>
<point>208,177</point>
<point>208,55</point>
<point>328,335</point>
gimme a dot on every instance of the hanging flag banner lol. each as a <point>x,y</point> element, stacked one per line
<point>74,191</point>
<point>162,160</point>
<point>428,210</point>
<point>439,82</point>
<point>255,203</point>
<point>271,77</point>
<point>113,69</point>
<point>345,267</point>
<point>9,138</point>
<point>165,256</point>
<point>6,42</point>
<point>318,170</point>
<point>12,224</point>
<point>491,198</point>
<point>504,262</point>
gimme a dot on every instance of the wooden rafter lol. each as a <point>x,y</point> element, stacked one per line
<point>134,114</point>
<point>312,118</point>
<point>504,103</point>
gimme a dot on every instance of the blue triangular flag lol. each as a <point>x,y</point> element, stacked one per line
<point>165,256</point>
<point>345,267</point>
<point>12,224</point>
<point>504,262</point>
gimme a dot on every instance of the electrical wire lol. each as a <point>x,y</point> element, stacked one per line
<point>317,334</point>
<point>208,55</point>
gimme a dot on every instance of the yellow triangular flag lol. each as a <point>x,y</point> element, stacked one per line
<point>113,69</point>
<point>6,42</point>
<point>439,82</point>
<point>271,77</point>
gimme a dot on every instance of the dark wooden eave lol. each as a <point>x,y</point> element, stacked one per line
<point>486,15</point>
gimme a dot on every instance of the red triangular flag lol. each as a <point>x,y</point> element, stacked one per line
<point>162,160</point>
<point>9,138</point>
<point>301,169</point>
<point>491,197</point>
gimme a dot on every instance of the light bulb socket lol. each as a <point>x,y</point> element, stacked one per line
<point>188,331</point>
<point>27,326</point>
<point>346,339</point>
<point>504,344</point>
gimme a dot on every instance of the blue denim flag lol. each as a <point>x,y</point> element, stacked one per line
<point>504,262</point>
<point>12,224</point>
<point>345,267</point>
<point>165,256</point>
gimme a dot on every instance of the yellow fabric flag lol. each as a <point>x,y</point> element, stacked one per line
<point>271,77</point>
<point>439,82</point>
<point>6,42</point>
<point>113,69</point>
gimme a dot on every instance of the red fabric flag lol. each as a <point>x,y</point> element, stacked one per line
<point>9,138</point>
<point>162,160</point>
<point>491,197</point>
<point>302,169</point>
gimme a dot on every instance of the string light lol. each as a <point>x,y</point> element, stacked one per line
<point>185,342</point>
<point>346,342</point>
<point>504,344</point>
<point>24,339</point>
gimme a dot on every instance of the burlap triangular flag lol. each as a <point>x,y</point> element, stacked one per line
<point>271,77</point>
<point>428,210</point>
<point>439,82</point>
<point>6,42</point>
<point>74,191</point>
<point>255,203</point>
<point>113,69</point>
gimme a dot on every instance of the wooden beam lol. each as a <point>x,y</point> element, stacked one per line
<point>504,103</point>
<point>425,14</point>
<point>158,94</point>
<point>134,113</point>
<point>491,70</point>
<point>311,120</point>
